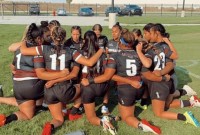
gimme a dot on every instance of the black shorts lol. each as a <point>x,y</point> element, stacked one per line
<point>28,90</point>
<point>160,90</point>
<point>61,92</point>
<point>90,92</point>
<point>127,95</point>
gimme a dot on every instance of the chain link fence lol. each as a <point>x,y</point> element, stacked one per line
<point>48,9</point>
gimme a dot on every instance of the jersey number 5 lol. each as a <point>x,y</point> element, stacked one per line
<point>131,68</point>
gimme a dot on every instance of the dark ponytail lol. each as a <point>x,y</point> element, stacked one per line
<point>32,33</point>
<point>90,47</point>
<point>160,28</point>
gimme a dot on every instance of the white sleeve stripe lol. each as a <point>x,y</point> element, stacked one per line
<point>78,57</point>
<point>37,51</point>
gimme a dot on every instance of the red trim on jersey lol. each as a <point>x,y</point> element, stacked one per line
<point>38,59</point>
<point>22,74</point>
<point>75,55</point>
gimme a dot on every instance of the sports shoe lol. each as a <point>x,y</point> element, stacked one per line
<point>191,119</point>
<point>104,110</point>
<point>2,120</point>
<point>189,90</point>
<point>107,125</point>
<point>47,129</point>
<point>147,127</point>
<point>74,116</point>
<point>195,101</point>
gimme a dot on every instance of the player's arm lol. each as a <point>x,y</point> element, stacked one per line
<point>72,74</point>
<point>89,61</point>
<point>174,54</point>
<point>13,47</point>
<point>108,73</point>
<point>33,51</point>
<point>134,83</point>
<point>145,60</point>
<point>45,75</point>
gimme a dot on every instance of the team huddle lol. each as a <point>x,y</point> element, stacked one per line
<point>49,72</point>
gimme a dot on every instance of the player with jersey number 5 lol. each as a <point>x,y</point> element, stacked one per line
<point>124,67</point>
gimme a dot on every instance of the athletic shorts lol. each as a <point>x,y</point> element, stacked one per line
<point>61,92</point>
<point>160,90</point>
<point>127,95</point>
<point>28,90</point>
<point>90,92</point>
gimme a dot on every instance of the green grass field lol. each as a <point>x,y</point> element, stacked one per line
<point>186,40</point>
<point>165,19</point>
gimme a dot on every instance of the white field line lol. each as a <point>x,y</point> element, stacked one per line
<point>194,62</point>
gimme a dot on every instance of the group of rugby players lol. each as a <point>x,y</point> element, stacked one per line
<point>48,69</point>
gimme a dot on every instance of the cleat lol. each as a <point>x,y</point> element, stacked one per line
<point>144,107</point>
<point>189,90</point>
<point>107,126</point>
<point>194,101</point>
<point>74,116</point>
<point>47,129</point>
<point>104,110</point>
<point>147,127</point>
<point>2,120</point>
<point>191,119</point>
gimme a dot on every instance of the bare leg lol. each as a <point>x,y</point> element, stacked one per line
<point>91,114</point>
<point>158,109</point>
<point>127,114</point>
<point>8,100</point>
<point>56,112</point>
<point>27,110</point>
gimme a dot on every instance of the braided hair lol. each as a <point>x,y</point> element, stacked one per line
<point>32,33</point>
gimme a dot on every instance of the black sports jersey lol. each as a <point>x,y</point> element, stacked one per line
<point>159,57</point>
<point>112,46</point>
<point>100,66</point>
<point>24,66</point>
<point>102,41</point>
<point>55,60</point>
<point>73,45</point>
<point>126,63</point>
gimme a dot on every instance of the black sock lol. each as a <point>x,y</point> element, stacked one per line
<point>182,92</point>
<point>52,127</point>
<point>181,117</point>
<point>74,110</point>
<point>186,103</point>
<point>11,118</point>
<point>101,123</point>
<point>143,101</point>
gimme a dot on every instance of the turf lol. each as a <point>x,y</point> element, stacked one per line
<point>186,41</point>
